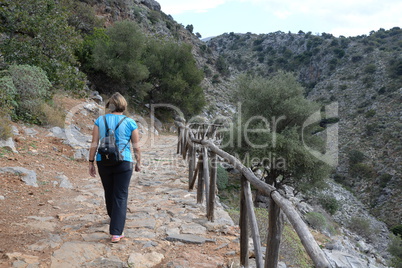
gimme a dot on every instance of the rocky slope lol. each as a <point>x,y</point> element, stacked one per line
<point>356,74</point>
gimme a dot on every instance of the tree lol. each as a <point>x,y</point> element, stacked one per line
<point>174,76</point>
<point>118,56</point>
<point>269,132</point>
<point>37,33</point>
<point>190,28</point>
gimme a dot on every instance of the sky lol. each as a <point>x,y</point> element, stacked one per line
<point>340,17</point>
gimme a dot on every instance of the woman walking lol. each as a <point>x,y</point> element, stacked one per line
<point>116,179</point>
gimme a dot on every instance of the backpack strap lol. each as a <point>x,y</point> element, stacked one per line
<point>121,121</point>
<point>106,126</point>
<point>118,124</point>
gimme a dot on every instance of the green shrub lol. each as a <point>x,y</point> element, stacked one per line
<point>370,69</point>
<point>356,156</point>
<point>370,113</point>
<point>7,94</point>
<point>361,226</point>
<point>222,178</point>
<point>397,230</point>
<point>5,128</point>
<point>316,220</point>
<point>371,129</point>
<point>329,203</point>
<point>395,249</point>
<point>362,170</point>
<point>384,179</point>
<point>32,89</point>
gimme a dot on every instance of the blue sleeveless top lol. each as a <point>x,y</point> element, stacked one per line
<point>123,133</point>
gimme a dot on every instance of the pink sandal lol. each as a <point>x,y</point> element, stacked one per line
<point>117,238</point>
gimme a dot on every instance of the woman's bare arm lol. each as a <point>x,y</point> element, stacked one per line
<point>135,140</point>
<point>92,150</point>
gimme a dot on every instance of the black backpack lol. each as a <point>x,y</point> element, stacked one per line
<point>108,149</point>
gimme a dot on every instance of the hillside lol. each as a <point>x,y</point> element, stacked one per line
<point>362,76</point>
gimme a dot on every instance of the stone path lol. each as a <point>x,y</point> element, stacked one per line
<point>165,226</point>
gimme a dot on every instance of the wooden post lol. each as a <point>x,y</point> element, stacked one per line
<point>205,174</point>
<point>182,138</point>
<point>200,185</point>
<point>178,139</point>
<point>275,229</point>
<point>254,227</point>
<point>212,187</point>
<point>196,173</point>
<point>185,144</point>
<point>243,226</point>
<point>191,163</point>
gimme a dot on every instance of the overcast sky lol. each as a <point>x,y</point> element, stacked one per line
<point>340,17</point>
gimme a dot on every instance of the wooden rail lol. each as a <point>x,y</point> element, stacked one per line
<point>200,139</point>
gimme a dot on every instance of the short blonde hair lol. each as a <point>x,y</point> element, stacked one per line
<point>116,103</point>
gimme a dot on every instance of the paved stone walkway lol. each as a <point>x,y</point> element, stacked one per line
<point>165,226</point>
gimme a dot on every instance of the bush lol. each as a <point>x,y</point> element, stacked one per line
<point>383,180</point>
<point>32,89</point>
<point>361,226</point>
<point>355,157</point>
<point>329,203</point>
<point>316,220</point>
<point>222,178</point>
<point>395,249</point>
<point>370,69</point>
<point>5,127</point>
<point>28,87</point>
<point>397,230</point>
<point>7,94</point>
<point>370,113</point>
<point>362,170</point>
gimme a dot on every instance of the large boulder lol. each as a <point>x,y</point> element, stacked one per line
<point>8,145</point>
<point>27,176</point>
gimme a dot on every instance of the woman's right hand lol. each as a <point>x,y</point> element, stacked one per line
<point>137,167</point>
<point>92,170</point>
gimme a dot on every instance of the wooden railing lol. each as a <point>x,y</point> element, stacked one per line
<point>199,140</point>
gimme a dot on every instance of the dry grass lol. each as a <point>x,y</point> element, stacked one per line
<point>52,115</point>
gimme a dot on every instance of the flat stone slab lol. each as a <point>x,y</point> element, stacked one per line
<point>186,238</point>
<point>76,254</point>
<point>148,260</point>
<point>148,223</point>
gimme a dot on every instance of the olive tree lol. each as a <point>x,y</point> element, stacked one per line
<point>269,131</point>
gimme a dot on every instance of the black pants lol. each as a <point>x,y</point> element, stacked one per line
<point>115,181</point>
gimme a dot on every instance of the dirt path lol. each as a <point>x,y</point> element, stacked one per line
<point>54,226</point>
